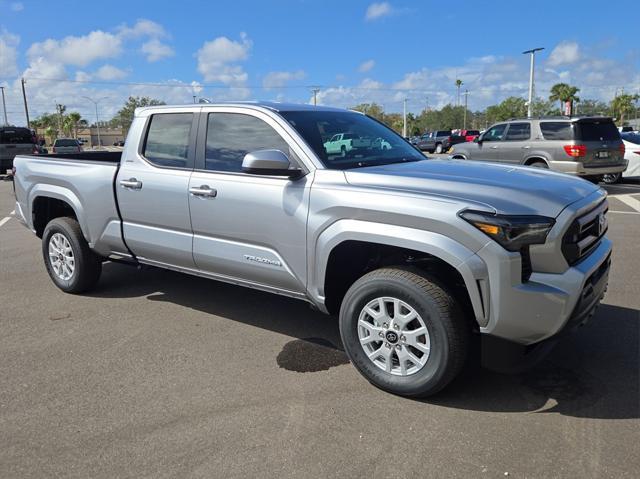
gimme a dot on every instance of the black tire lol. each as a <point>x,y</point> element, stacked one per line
<point>88,265</point>
<point>439,149</point>
<point>448,330</point>
<point>539,164</point>
<point>612,178</point>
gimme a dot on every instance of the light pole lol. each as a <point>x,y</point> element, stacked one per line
<point>464,122</point>
<point>404,118</point>
<point>4,107</point>
<point>531,52</point>
<point>315,92</point>
<point>95,103</point>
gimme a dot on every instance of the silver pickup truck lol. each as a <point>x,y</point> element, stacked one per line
<point>421,259</point>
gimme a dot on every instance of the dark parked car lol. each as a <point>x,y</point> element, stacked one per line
<point>438,141</point>
<point>15,141</point>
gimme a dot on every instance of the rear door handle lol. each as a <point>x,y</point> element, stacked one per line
<point>526,147</point>
<point>132,183</point>
<point>494,147</point>
<point>204,191</point>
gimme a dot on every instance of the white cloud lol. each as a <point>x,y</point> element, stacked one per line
<point>78,51</point>
<point>565,53</point>
<point>155,50</point>
<point>366,66</point>
<point>218,58</point>
<point>17,7</point>
<point>109,72</point>
<point>378,10</point>
<point>142,28</point>
<point>280,79</point>
<point>8,54</point>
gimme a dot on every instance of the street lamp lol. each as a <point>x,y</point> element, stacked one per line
<point>530,104</point>
<point>95,103</point>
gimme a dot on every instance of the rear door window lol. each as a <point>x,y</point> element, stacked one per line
<point>66,143</point>
<point>556,130</point>
<point>15,136</point>
<point>168,140</point>
<point>597,131</point>
<point>518,132</point>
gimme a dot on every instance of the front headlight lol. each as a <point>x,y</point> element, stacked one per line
<point>512,232</point>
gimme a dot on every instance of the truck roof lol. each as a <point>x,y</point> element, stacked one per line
<point>271,105</point>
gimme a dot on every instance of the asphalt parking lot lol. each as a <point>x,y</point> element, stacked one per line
<point>157,374</point>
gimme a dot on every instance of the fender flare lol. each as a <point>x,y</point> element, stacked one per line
<point>470,266</point>
<point>59,193</point>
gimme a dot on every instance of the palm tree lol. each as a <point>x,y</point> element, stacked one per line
<point>623,104</point>
<point>458,85</point>
<point>564,92</point>
<point>74,118</point>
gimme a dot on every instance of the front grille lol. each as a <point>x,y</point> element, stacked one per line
<point>585,233</point>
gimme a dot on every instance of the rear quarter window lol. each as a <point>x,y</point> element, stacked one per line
<point>556,130</point>
<point>168,140</point>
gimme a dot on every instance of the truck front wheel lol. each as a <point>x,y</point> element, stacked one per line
<point>404,331</point>
<point>71,264</point>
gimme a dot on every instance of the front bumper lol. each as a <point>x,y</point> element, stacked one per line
<point>528,313</point>
<point>578,168</point>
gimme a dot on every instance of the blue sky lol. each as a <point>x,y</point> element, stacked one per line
<point>355,51</point>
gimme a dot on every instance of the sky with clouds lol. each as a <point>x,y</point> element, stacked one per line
<point>356,51</point>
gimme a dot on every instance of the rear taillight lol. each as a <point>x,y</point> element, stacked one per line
<point>575,151</point>
<point>54,149</point>
<point>622,148</point>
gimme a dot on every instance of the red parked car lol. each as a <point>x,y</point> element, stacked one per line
<point>470,135</point>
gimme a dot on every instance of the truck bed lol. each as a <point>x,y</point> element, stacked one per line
<point>84,180</point>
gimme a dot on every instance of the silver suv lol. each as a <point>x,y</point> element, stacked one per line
<point>584,146</point>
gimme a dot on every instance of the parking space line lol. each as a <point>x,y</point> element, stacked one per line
<point>629,201</point>
<point>4,220</point>
<point>624,212</point>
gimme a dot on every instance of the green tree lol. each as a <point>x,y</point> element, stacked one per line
<point>623,105</point>
<point>563,92</point>
<point>543,107</point>
<point>124,117</point>
<point>593,107</point>
<point>458,85</point>
<point>512,107</point>
<point>372,109</point>
<point>74,119</point>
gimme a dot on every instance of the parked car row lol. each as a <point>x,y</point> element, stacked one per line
<point>631,140</point>
<point>584,146</point>
<point>439,141</point>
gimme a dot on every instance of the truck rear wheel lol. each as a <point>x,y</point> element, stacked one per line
<point>71,264</point>
<point>439,148</point>
<point>404,331</point>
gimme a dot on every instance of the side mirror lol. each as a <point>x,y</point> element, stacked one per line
<point>478,139</point>
<point>268,162</point>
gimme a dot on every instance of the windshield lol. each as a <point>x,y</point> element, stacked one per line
<point>344,139</point>
<point>66,143</point>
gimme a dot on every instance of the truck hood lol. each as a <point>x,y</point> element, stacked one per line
<point>507,189</point>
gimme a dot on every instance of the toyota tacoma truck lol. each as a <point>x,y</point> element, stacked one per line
<point>421,259</point>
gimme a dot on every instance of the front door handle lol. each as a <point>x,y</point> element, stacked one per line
<point>204,191</point>
<point>526,147</point>
<point>132,183</point>
<point>494,147</point>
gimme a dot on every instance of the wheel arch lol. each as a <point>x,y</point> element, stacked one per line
<point>533,158</point>
<point>50,201</point>
<point>348,249</point>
